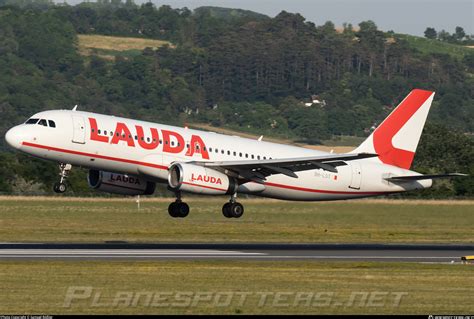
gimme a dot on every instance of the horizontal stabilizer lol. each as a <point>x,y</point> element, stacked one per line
<point>421,177</point>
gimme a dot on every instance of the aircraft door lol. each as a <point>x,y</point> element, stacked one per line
<point>356,178</point>
<point>79,129</point>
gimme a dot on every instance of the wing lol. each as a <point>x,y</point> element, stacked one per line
<point>258,170</point>
<point>421,177</point>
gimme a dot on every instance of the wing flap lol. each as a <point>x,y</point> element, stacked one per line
<point>257,170</point>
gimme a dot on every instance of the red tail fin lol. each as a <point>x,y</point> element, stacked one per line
<point>396,138</point>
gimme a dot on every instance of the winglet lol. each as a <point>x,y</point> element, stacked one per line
<point>75,108</point>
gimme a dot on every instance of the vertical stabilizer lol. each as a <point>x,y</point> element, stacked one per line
<point>396,138</point>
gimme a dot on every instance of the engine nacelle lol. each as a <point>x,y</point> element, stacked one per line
<point>200,180</point>
<point>119,183</point>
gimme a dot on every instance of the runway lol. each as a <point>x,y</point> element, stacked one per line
<point>235,251</point>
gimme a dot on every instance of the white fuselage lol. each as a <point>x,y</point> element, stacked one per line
<point>118,147</point>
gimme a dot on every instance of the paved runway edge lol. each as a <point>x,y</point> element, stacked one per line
<point>238,246</point>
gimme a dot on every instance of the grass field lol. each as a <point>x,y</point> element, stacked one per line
<point>234,287</point>
<point>434,46</point>
<point>364,221</point>
<point>110,46</point>
<point>290,287</point>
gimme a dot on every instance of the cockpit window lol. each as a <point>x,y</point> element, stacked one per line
<point>43,122</point>
<point>32,121</point>
<point>51,123</point>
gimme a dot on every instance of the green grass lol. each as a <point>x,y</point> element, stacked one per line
<point>434,46</point>
<point>115,53</point>
<point>79,220</point>
<point>109,47</point>
<point>344,140</point>
<point>40,287</point>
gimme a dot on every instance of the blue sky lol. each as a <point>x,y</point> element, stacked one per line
<point>402,16</point>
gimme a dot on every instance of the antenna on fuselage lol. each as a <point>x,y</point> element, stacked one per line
<point>260,138</point>
<point>75,107</point>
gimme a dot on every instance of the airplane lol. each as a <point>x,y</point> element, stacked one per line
<point>129,157</point>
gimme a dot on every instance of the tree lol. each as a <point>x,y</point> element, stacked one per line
<point>430,33</point>
<point>459,34</point>
<point>444,35</point>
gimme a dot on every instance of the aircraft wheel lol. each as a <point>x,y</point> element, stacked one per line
<point>236,210</point>
<point>178,209</point>
<point>226,210</point>
<point>233,210</point>
<point>59,188</point>
<point>172,210</point>
<point>183,210</point>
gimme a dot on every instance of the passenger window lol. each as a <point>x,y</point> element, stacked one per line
<point>228,152</point>
<point>258,157</point>
<point>42,122</point>
<point>210,149</point>
<point>240,154</point>
<point>51,123</point>
<point>252,156</point>
<point>32,121</point>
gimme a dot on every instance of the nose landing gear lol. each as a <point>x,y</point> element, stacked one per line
<point>64,169</point>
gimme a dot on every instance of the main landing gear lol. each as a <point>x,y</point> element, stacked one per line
<point>233,209</point>
<point>64,169</point>
<point>179,209</point>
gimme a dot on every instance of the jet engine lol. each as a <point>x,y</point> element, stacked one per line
<point>200,180</point>
<point>119,183</point>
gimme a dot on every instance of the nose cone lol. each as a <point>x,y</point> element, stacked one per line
<point>13,137</point>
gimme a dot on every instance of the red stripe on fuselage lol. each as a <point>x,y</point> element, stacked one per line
<point>303,189</point>
<point>123,160</point>
<point>110,158</point>
<point>210,187</point>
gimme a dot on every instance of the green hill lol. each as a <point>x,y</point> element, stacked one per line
<point>433,46</point>
<point>228,13</point>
